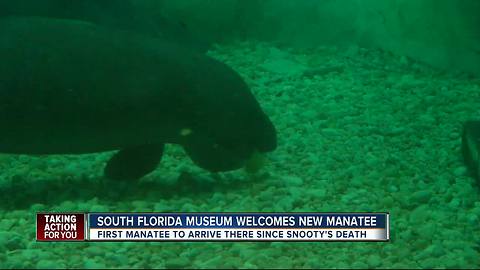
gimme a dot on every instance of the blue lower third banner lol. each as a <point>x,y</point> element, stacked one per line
<point>238,227</point>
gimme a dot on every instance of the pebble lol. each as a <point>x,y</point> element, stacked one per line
<point>374,261</point>
<point>233,263</point>
<point>99,208</point>
<point>292,180</point>
<point>454,203</point>
<point>68,205</point>
<point>316,192</point>
<point>429,263</point>
<point>38,207</point>
<point>422,196</point>
<point>460,171</point>
<point>472,219</point>
<point>11,241</point>
<point>395,131</point>
<point>92,264</point>
<point>331,132</point>
<point>419,215</point>
<point>285,204</point>
<point>94,250</point>
<point>161,207</point>
<point>176,263</point>
<point>359,265</point>
<point>47,264</point>
<point>435,251</point>
<point>392,189</point>
<point>120,260</point>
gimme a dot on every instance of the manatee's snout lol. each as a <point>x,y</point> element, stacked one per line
<point>216,157</point>
<point>228,123</point>
<point>265,139</point>
<point>230,147</point>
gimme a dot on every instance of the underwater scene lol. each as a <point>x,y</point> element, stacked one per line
<point>242,106</point>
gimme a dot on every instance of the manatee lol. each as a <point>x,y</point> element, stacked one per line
<point>70,87</point>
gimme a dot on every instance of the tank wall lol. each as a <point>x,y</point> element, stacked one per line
<point>443,33</point>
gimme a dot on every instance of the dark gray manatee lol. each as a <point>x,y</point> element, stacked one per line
<point>70,87</point>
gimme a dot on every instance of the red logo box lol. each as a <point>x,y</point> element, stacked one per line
<point>60,227</point>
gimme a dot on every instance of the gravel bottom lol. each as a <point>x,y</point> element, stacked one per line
<point>359,130</point>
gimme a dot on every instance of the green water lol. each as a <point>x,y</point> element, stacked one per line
<point>368,117</point>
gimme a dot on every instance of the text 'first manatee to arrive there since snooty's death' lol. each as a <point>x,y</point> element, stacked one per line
<point>72,87</point>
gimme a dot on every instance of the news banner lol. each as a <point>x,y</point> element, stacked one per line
<point>191,227</point>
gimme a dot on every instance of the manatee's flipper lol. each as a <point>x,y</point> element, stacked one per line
<point>134,163</point>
